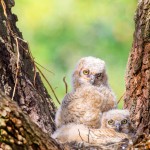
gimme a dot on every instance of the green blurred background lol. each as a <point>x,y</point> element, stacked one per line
<point>60,32</point>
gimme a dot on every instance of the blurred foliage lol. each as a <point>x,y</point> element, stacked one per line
<point>60,32</point>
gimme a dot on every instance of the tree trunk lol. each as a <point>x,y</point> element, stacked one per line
<point>18,132</point>
<point>18,77</point>
<point>137,97</point>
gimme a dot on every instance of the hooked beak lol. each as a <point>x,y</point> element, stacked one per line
<point>92,79</point>
<point>117,127</point>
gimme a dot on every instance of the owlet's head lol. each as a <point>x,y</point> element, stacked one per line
<point>118,120</point>
<point>89,70</point>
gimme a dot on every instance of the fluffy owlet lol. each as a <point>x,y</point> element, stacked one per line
<point>119,120</point>
<point>89,71</point>
<point>91,95</point>
<point>116,126</point>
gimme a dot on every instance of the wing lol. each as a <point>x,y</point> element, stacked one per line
<point>69,98</point>
<point>63,110</point>
<point>110,101</point>
<point>63,115</point>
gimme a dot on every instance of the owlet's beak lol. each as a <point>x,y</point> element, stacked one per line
<point>118,127</point>
<point>92,79</point>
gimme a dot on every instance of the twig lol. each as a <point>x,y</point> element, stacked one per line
<point>66,86</point>
<point>44,68</point>
<point>16,39</point>
<point>18,54</point>
<point>34,62</point>
<point>34,78</point>
<point>38,69</point>
<point>48,84</point>
<point>80,135</point>
<point>17,69</point>
<point>4,7</point>
<point>33,58</point>
<point>22,40</point>
<point>89,136</point>
<point>120,98</point>
<point>30,54</point>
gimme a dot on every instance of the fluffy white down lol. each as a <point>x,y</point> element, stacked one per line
<point>91,62</point>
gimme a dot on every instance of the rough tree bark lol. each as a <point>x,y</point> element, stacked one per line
<point>137,97</point>
<point>18,132</point>
<point>18,77</point>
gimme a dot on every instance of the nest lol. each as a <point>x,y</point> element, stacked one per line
<point>141,142</point>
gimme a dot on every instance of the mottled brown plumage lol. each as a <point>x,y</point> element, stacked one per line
<point>90,97</point>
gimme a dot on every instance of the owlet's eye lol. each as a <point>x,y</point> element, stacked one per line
<point>124,121</point>
<point>86,72</point>
<point>111,122</point>
<point>99,75</point>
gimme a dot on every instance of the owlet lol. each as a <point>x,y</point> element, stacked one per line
<point>91,95</point>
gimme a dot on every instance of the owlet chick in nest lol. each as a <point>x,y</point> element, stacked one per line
<point>91,95</point>
<point>119,120</point>
<point>115,126</point>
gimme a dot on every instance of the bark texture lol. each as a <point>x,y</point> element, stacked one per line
<point>137,97</point>
<point>18,132</point>
<point>18,77</point>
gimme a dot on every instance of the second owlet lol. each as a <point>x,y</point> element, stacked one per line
<point>91,95</point>
<point>116,126</point>
<point>119,120</point>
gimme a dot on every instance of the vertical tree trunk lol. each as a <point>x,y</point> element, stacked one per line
<point>18,77</point>
<point>137,97</point>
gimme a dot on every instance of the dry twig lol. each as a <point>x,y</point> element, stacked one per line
<point>17,69</point>
<point>120,98</point>
<point>80,135</point>
<point>4,7</point>
<point>66,86</point>
<point>18,56</point>
<point>48,84</point>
